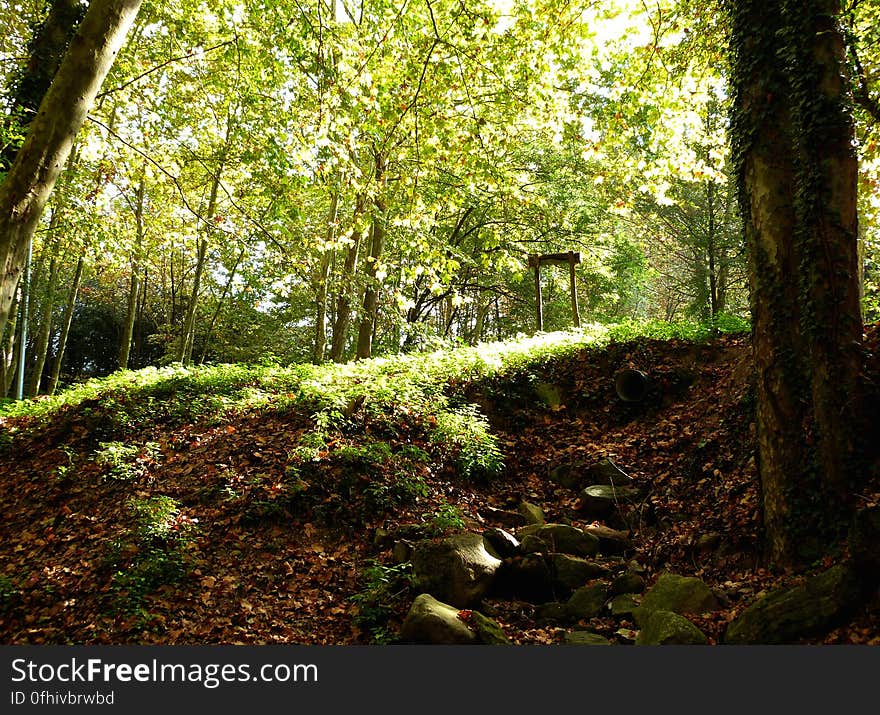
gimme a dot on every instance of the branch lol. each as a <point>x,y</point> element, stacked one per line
<point>164,64</point>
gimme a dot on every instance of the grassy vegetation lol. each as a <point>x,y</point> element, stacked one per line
<point>334,395</point>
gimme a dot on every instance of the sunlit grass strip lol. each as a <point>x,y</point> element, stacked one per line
<point>415,381</point>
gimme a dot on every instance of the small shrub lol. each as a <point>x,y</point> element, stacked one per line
<point>384,588</point>
<point>124,462</point>
<point>157,557</point>
<point>447,517</point>
<point>466,432</point>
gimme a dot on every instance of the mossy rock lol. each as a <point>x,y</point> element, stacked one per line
<point>787,615</point>
<point>602,499</point>
<point>500,543</point>
<point>585,638</point>
<point>678,594</point>
<point>532,513</point>
<point>586,602</point>
<point>668,628</point>
<point>571,572</point>
<point>627,582</point>
<point>550,394</point>
<point>432,621</point>
<point>488,631</point>
<point>458,569</point>
<point>623,605</point>
<point>566,539</point>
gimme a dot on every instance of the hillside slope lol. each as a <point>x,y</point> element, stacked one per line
<point>258,508</point>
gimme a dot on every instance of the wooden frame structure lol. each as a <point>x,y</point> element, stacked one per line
<point>571,259</point>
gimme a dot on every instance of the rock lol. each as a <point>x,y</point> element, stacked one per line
<point>623,605</point>
<point>533,544</point>
<point>532,513</point>
<point>679,594</point>
<point>569,476</point>
<point>528,577</point>
<point>708,542</point>
<point>586,602</point>
<point>611,541</point>
<point>568,540</point>
<point>668,628</point>
<point>585,638</point>
<point>457,569</point>
<point>401,552</point>
<point>488,631</point>
<point>571,572</point>
<point>430,621</point>
<point>607,472</point>
<point>627,582</point>
<point>510,519</point>
<point>500,543</point>
<point>551,612</point>
<point>602,499</point>
<point>382,538</point>
<point>788,614</point>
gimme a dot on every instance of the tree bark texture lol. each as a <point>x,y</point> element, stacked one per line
<point>37,165</point>
<point>45,52</point>
<point>366,330</point>
<point>797,173</point>
<point>349,270</point>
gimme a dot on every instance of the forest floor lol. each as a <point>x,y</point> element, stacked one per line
<point>204,534</point>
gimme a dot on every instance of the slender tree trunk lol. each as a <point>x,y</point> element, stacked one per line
<point>65,327</point>
<point>227,289</point>
<point>711,251</point>
<point>480,321</point>
<point>322,279</point>
<point>371,291</point>
<point>7,368</point>
<point>349,270</point>
<point>27,186</point>
<point>184,354</point>
<point>135,283</point>
<point>42,347</point>
<point>793,142</point>
<point>189,324</point>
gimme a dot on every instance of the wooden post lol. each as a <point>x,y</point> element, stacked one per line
<point>535,263</point>
<point>574,258</point>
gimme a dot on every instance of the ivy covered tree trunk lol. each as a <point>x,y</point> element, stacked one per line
<point>37,165</point>
<point>45,52</point>
<point>797,173</point>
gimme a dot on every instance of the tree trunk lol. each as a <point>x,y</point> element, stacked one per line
<point>184,354</point>
<point>366,330</point>
<point>187,337</point>
<point>135,284</point>
<point>7,367</point>
<point>321,282</point>
<point>349,270</point>
<point>797,172</point>
<point>227,289</point>
<point>42,346</point>
<point>45,52</point>
<point>27,186</point>
<point>65,327</point>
